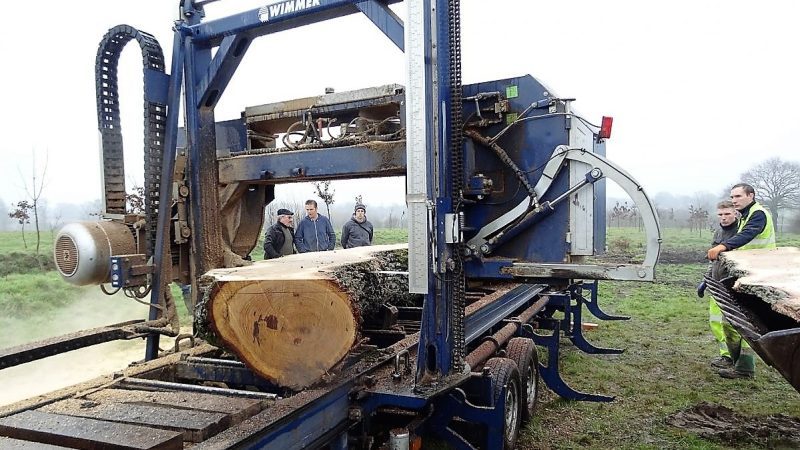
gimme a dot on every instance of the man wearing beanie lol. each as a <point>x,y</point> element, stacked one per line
<point>279,240</point>
<point>357,232</point>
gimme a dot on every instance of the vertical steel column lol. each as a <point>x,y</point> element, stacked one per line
<point>163,265</point>
<point>201,146</point>
<point>429,36</point>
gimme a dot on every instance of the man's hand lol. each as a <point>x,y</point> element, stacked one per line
<point>714,252</point>
<point>701,289</point>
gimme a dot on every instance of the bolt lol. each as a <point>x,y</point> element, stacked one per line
<point>355,414</point>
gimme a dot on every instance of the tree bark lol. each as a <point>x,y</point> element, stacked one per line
<point>771,275</point>
<point>293,318</point>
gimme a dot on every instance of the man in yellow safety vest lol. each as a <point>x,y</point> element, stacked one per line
<point>755,231</point>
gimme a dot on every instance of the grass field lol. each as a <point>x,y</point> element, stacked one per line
<point>664,369</point>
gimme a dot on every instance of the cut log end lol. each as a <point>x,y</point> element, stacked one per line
<point>294,318</point>
<point>302,327</point>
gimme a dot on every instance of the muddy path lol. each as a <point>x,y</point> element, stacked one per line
<point>723,425</point>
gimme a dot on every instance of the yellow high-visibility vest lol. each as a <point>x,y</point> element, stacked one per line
<point>765,239</point>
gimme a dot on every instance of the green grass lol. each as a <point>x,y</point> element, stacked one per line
<point>390,236</point>
<point>681,238</point>
<point>26,295</point>
<point>11,241</point>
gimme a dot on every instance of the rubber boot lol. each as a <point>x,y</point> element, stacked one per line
<point>744,362</point>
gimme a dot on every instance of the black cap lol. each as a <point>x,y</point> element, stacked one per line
<point>285,212</point>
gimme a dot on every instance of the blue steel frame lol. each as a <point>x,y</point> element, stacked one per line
<point>206,78</point>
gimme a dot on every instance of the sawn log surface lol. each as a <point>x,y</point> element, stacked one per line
<point>293,318</point>
<point>772,275</point>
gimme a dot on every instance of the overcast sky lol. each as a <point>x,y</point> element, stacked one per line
<point>699,90</point>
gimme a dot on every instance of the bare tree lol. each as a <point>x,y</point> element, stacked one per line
<point>698,219</point>
<point>705,200</point>
<point>777,185</point>
<point>323,190</point>
<point>22,215</point>
<point>55,223</point>
<point>34,192</point>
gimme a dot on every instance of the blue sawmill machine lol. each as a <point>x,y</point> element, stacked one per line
<point>506,210</point>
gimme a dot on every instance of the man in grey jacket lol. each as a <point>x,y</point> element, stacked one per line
<point>314,233</point>
<point>728,223</point>
<point>357,232</point>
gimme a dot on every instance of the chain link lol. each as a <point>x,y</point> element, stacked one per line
<point>456,179</point>
<point>108,121</point>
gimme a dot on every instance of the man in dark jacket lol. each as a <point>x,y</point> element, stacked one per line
<point>314,233</point>
<point>728,224</point>
<point>279,240</point>
<point>357,232</point>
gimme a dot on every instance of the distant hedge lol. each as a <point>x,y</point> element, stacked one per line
<point>18,262</point>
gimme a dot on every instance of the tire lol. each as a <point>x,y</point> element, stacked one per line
<point>507,383</point>
<point>523,352</point>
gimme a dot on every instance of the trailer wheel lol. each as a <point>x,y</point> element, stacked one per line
<point>523,352</point>
<point>507,383</point>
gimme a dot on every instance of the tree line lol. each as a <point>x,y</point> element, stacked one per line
<point>777,184</point>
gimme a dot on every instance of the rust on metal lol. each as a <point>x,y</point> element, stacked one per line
<point>33,351</point>
<point>194,425</point>
<point>490,346</point>
<point>80,432</point>
<point>236,408</point>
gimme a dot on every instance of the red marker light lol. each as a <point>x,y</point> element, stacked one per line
<point>605,128</point>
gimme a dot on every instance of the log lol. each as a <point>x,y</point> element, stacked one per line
<point>293,318</point>
<point>771,275</point>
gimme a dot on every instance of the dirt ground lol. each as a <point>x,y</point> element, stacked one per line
<point>727,427</point>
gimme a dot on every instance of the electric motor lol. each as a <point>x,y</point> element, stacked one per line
<point>83,250</point>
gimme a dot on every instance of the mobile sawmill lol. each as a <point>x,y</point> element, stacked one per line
<point>506,208</point>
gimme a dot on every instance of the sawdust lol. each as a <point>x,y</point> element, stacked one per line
<point>722,424</point>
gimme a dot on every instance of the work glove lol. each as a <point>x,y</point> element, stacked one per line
<point>701,289</point>
<point>714,252</point>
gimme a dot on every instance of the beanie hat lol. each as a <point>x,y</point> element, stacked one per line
<point>285,212</point>
<point>360,206</point>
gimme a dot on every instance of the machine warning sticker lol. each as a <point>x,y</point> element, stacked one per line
<point>268,12</point>
<point>511,92</point>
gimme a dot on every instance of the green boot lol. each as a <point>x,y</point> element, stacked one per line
<point>744,360</point>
